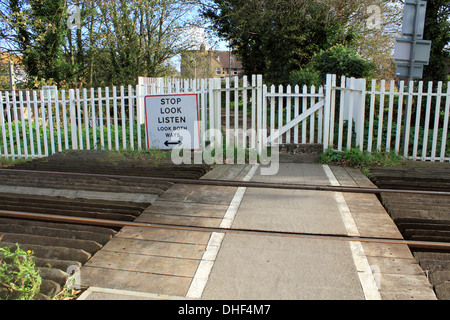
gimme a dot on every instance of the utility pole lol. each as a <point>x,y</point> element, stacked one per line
<point>11,77</point>
<point>229,67</point>
<point>12,83</point>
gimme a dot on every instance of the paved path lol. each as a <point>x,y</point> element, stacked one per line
<point>156,263</point>
<point>268,267</point>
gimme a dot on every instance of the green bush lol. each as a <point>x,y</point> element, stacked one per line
<point>342,61</point>
<point>338,60</point>
<point>19,280</point>
<point>305,76</point>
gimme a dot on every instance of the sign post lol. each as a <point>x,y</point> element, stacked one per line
<point>411,52</point>
<point>50,92</point>
<point>172,121</point>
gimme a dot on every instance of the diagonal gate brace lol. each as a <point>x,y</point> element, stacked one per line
<point>295,121</point>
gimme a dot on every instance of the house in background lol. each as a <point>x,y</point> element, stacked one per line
<point>7,76</point>
<point>11,71</point>
<point>210,64</point>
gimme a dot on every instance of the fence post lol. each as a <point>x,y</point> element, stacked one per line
<point>2,124</point>
<point>218,141</point>
<point>326,113</point>
<point>259,113</point>
<point>445,126</point>
<point>73,121</point>
<point>140,92</point>
<point>361,115</point>
<point>140,114</point>
<point>211,108</point>
<point>407,116</point>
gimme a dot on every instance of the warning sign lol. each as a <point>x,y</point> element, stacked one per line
<point>172,121</point>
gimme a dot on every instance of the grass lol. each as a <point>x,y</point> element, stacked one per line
<point>144,154</point>
<point>362,160</point>
<point>7,162</point>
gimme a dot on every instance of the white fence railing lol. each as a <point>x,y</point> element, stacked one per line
<point>384,116</point>
<point>387,116</point>
<point>33,126</point>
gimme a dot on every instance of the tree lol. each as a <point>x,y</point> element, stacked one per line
<point>437,29</point>
<point>276,37</point>
<point>140,37</point>
<point>378,23</point>
<point>116,42</point>
<point>37,26</point>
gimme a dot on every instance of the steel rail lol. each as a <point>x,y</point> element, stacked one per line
<point>120,224</point>
<point>226,183</point>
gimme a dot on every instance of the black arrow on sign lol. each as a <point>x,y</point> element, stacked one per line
<point>167,143</point>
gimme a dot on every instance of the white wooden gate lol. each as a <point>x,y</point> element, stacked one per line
<point>295,117</point>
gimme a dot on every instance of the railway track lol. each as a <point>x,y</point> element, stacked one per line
<point>60,248</point>
<point>421,217</point>
<point>64,232</point>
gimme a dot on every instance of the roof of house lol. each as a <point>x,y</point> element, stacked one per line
<point>5,57</point>
<point>223,57</point>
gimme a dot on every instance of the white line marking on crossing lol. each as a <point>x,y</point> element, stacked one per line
<point>204,269</point>
<point>362,265</point>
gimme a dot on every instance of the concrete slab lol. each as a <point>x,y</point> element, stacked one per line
<point>295,173</point>
<point>267,267</point>
<point>290,211</point>
<point>264,267</point>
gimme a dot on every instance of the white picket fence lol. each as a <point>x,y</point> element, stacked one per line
<point>72,120</point>
<point>389,116</point>
<point>246,114</point>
